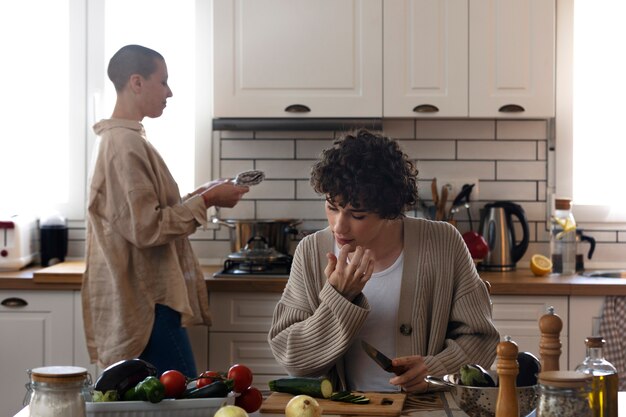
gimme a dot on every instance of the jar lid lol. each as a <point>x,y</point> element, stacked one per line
<point>563,204</point>
<point>564,379</point>
<point>58,374</point>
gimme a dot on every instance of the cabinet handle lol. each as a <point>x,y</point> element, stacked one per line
<point>297,108</point>
<point>425,108</point>
<point>511,108</point>
<point>14,302</point>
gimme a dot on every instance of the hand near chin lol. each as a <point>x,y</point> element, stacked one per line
<point>349,277</point>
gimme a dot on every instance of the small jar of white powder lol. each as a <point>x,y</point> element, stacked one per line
<point>57,391</point>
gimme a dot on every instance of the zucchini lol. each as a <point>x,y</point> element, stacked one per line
<point>349,397</point>
<point>315,387</point>
<point>217,389</point>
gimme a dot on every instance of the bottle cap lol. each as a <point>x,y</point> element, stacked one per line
<point>594,341</point>
<point>563,204</point>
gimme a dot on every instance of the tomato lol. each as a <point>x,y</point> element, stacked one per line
<point>175,383</point>
<point>207,378</point>
<point>250,399</point>
<point>242,377</point>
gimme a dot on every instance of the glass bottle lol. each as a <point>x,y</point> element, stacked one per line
<point>563,238</point>
<point>603,395</point>
<point>57,391</point>
<point>563,393</point>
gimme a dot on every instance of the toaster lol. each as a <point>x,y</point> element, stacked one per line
<point>18,241</point>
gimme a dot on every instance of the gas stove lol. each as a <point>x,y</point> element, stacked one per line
<point>277,268</point>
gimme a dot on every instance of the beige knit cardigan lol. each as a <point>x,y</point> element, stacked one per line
<point>444,312</point>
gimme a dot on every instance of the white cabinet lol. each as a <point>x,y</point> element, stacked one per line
<point>298,58</point>
<point>512,58</point>
<point>37,330</point>
<point>518,317</point>
<point>337,58</point>
<point>425,58</point>
<point>460,58</point>
<point>241,322</point>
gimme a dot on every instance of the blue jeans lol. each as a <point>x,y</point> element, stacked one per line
<point>169,346</point>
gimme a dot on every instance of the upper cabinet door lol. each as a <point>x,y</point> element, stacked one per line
<point>426,58</point>
<point>298,58</point>
<point>512,58</point>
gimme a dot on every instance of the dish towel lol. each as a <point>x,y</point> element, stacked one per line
<point>613,329</point>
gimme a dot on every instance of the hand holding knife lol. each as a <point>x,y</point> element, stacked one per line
<point>382,360</point>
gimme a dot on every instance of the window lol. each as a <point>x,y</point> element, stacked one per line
<point>56,88</point>
<point>43,79</point>
<point>590,143</point>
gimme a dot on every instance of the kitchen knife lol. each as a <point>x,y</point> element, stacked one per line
<point>383,361</point>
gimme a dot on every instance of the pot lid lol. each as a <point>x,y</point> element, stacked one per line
<point>257,250</point>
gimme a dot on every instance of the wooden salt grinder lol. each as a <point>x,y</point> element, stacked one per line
<point>507,368</point>
<point>550,325</point>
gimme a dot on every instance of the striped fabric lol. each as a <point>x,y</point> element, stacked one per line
<point>444,312</point>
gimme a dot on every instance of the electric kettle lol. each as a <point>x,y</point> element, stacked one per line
<point>496,226</point>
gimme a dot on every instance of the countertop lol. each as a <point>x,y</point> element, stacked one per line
<point>68,275</point>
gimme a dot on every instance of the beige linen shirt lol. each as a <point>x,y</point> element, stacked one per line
<point>444,312</point>
<point>137,250</point>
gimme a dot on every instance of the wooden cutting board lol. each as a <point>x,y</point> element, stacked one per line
<point>381,404</point>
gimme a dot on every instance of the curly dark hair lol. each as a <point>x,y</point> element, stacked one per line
<point>368,171</point>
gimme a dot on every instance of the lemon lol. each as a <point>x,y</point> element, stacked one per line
<point>540,265</point>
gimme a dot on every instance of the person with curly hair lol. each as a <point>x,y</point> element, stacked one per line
<point>407,286</point>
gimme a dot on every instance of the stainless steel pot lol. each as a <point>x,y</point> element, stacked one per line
<point>276,232</point>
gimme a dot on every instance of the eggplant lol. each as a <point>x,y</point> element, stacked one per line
<point>124,375</point>
<point>529,368</point>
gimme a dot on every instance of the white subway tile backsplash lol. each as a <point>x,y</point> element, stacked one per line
<point>521,129</point>
<point>230,169</point>
<point>497,150</point>
<point>508,190</point>
<point>305,191</point>
<point>455,129</point>
<point>272,189</point>
<point>253,149</point>
<point>429,149</point>
<point>526,170</point>
<point>311,149</point>
<point>295,135</point>
<point>291,210</point>
<point>286,169</point>
<point>482,170</point>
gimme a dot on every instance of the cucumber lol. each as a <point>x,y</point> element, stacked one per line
<point>315,387</point>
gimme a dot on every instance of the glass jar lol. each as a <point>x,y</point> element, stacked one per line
<point>563,238</point>
<point>564,393</point>
<point>604,386</point>
<point>57,391</point>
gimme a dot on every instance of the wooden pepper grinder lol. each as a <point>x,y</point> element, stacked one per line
<point>550,325</point>
<point>507,368</point>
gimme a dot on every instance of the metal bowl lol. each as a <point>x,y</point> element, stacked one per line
<point>481,402</point>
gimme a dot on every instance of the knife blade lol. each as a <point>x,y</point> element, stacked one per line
<point>382,360</point>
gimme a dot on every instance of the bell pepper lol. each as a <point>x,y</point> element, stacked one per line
<point>150,389</point>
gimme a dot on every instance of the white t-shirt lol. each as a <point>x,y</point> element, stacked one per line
<point>379,330</point>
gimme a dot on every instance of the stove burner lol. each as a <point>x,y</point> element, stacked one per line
<point>275,268</point>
